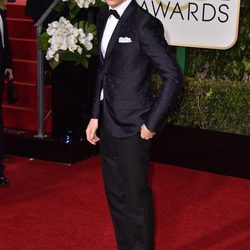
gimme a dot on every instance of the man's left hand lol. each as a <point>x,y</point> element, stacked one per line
<point>146,134</point>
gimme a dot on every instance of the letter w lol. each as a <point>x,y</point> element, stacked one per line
<point>160,7</point>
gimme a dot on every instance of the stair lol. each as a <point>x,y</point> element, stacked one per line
<point>20,119</point>
<point>22,35</point>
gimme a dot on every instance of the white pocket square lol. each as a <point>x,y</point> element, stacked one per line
<point>125,40</point>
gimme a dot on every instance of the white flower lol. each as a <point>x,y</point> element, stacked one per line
<point>90,36</point>
<point>72,47</point>
<point>83,3</point>
<point>50,54</point>
<point>79,50</point>
<point>56,57</point>
<point>52,27</point>
<point>71,39</point>
<point>63,46</point>
<point>86,41</point>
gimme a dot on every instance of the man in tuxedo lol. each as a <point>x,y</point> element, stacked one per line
<point>131,41</point>
<point>36,8</point>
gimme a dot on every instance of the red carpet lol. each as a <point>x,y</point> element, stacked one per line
<point>22,34</point>
<point>53,206</point>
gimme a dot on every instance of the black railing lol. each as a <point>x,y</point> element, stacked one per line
<point>40,71</point>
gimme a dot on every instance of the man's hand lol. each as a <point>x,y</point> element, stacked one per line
<point>9,73</point>
<point>146,134</point>
<point>91,131</point>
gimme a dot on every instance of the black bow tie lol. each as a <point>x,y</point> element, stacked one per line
<point>114,13</point>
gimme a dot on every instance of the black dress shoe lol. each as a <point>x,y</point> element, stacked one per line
<point>5,159</point>
<point>4,181</point>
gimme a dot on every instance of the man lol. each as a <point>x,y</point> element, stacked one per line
<point>131,42</point>
<point>36,8</point>
<point>5,70</point>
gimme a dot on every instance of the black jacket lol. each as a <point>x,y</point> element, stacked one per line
<point>36,8</point>
<point>125,74</point>
<point>5,53</point>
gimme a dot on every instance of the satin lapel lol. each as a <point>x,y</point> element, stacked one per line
<point>115,35</point>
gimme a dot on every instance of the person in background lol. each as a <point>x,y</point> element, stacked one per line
<point>131,41</point>
<point>36,8</point>
<point>5,71</point>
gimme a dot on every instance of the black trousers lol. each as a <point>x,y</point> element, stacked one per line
<point>125,163</point>
<point>1,116</point>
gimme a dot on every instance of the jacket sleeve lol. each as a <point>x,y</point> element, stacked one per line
<point>154,45</point>
<point>7,49</point>
<point>96,98</point>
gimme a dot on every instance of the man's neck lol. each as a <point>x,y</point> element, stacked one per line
<point>120,8</point>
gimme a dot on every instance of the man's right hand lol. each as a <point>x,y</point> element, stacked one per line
<point>91,131</point>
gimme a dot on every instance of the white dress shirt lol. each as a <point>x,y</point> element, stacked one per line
<point>2,31</point>
<point>109,29</point>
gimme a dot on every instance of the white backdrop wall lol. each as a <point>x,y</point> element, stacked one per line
<point>197,23</point>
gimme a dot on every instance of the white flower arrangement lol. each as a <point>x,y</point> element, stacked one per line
<point>67,40</point>
<point>64,36</point>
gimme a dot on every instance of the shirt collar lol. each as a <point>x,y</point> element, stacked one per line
<point>122,7</point>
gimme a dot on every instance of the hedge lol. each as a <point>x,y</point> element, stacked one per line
<point>213,105</point>
<point>232,64</point>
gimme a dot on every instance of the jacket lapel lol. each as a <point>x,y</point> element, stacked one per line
<point>115,35</point>
<point>100,29</point>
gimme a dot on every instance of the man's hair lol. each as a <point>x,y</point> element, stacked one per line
<point>2,5</point>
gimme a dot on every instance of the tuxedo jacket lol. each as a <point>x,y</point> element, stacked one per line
<point>36,8</point>
<point>125,74</point>
<point>5,54</point>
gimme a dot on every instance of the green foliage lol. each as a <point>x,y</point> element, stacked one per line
<point>232,64</point>
<point>43,41</point>
<point>73,7</point>
<point>214,105</point>
<point>73,10</point>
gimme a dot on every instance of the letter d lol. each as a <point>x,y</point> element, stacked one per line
<point>207,7</point>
